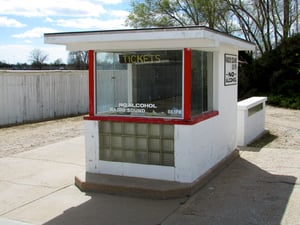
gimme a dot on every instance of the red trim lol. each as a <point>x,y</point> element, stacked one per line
<point>187,83</point>
<point>91,83</point>
<point>127,119</point>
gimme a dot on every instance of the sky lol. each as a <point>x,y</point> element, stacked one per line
<point>24,22</point>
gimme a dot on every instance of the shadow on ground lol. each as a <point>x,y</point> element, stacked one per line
<point>266,139</point>
<point>241,194</point>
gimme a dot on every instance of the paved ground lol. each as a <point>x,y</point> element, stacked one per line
<point>261,187</point>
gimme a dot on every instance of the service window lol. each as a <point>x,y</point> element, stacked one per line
<point>141,83</point>
<point>202,82</point>
<point>150,83</point>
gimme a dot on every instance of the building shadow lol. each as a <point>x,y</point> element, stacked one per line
<point>264,140</point>
<point>241,194</point>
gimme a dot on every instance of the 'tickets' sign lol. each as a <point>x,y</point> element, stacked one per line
<point>231,70</point>
<point>139,58</point>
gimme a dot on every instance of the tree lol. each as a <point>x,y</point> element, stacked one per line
<point>37,58</point>
<point>166,13</point>
<point>78,60</point>
<point>264,22</point>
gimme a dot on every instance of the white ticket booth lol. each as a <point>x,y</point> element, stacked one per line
<point>162,104</point>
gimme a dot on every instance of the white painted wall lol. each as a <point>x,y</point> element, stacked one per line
<point>27,96</point>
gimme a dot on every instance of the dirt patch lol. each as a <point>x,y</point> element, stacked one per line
<point>29,136</point>
<point>284,129</point>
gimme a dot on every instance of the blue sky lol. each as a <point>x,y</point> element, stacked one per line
<point>23,23</point>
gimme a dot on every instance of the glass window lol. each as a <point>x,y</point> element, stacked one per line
<point>143,83</point>
<point>202,82</point>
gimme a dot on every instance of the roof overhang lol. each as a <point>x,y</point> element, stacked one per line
<point>147,39</point>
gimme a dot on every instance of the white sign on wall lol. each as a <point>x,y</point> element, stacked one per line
<point>231,69</point>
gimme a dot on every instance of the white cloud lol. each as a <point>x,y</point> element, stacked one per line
<point>15,53</point>
<point>5,22</point>
<point>20,53</point>
<point>36,32</point>
<point>119,13</point>
<point>91,23</point>
<point>110,1</point>
<point>38,8</point>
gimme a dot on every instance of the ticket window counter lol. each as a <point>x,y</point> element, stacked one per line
<point>162,102</point>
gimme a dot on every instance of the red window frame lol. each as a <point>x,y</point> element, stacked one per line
<point>187,79</point>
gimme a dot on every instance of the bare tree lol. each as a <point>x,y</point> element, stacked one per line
<point>37,58</point>
<point>78,60</point>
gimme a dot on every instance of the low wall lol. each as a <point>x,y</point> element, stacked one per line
<point>27,96</point>
<point>251,119</point>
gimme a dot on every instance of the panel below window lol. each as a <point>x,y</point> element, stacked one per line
<point>137,143</point>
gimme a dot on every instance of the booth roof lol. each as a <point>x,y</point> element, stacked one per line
<point>148,39</point>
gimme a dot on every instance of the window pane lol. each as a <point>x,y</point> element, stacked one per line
<point>139,83</point>
<point>202,82</point>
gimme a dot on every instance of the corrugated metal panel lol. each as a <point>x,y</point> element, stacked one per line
<point>33,96</point>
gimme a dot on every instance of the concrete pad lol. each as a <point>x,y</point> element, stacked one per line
<point>4,221</point>
<point>70,206</point>
<point>69,151</point>
<point>50,206</point>
<point>29,176</point>
<point>262,187</point>
<point>38,172</point>
<point>14,195</point>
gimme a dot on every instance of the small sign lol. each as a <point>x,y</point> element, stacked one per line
<point>231,70</point>
<point>139,58</point>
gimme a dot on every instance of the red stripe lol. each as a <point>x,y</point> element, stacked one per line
<point>91,83</point>
<point>187,83</point>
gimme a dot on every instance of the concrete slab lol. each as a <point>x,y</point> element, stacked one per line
<point>29,176</point>
<point>70,206</point>
<point>68,151</point>
<point>13,195</point>
<point>37,172</point>
<point>50,206</point>
<point>4,221</point>
<point>262,187</point>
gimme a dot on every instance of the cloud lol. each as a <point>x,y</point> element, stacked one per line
<point>110,1</point>
<point>36,32</point>
<point>116,21</point>
<point>20,53</point>
<point>38,8</point>
<point>91,23</point>
<point>5,22</point>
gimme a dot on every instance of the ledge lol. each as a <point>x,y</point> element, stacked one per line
<point>250,102</point>
<point>197,119</point>
<point>148,188</point>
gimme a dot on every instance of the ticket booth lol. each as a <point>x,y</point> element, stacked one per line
<point>162,101</point>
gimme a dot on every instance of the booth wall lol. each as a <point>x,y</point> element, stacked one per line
<point>28,96</point>
<point>201,146</point>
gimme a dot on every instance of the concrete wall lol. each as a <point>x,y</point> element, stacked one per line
<point>251,119</point>
<point>27,96</point>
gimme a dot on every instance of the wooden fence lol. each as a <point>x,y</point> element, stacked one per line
<point>28,96</point>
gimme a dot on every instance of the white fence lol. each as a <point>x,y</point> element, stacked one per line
<point>27,96</point>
